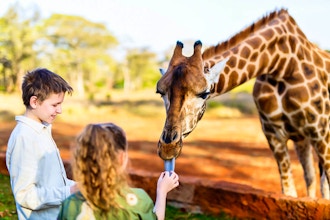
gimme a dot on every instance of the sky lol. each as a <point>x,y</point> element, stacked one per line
<point>158,24</point>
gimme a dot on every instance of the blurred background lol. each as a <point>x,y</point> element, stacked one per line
<point>102,45</point>
<point>110,52</point>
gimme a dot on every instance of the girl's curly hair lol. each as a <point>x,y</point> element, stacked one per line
<point>96,165</point>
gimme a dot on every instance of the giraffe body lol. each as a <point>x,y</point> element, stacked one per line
<point>291,92</point>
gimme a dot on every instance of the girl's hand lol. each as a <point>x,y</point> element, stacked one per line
<point>167,181</point>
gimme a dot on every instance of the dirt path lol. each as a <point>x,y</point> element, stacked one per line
<point>233,150</point>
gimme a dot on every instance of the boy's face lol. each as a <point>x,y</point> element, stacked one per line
<point>47,110</point>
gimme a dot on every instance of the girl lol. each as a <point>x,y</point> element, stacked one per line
<point>99,166</point>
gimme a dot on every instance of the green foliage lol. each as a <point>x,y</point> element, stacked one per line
<point>177,214</point>
<point>246,87</point>
<point>72,46</point>
<point>7,202</point>
<point>83,56</point>
<point>17,39</point>
<point>75,48</point>
<point>143,68</point>
<point>239,98</point>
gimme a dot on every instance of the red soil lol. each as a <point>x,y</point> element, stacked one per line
<point>232,150</point>
<point>225,165</point>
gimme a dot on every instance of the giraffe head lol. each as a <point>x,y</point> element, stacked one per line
<point>184,87</point>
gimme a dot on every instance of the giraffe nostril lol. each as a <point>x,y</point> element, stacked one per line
<point>164,138</point>
<point>169,137</point>
<point>175,135</point>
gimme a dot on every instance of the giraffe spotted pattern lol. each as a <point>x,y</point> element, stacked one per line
<point>291,92</point>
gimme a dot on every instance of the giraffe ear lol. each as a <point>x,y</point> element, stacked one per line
<point>212,76</point>
<point>162,71</point>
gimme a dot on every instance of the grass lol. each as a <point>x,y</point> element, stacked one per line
<point>7,203</point>
<point>8,209</point>
<point>176,214</point>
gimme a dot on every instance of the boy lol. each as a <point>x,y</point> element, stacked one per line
<point>37,175</point>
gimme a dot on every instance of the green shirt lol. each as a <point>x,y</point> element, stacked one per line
<point>136,204</point>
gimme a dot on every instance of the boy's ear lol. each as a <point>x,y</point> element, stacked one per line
<point>33,101</point>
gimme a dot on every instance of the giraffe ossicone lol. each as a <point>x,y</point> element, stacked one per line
<point>291,93</point>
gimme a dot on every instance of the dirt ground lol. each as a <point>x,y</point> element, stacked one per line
<point>232,150</point>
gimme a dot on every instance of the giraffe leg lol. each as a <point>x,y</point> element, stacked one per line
<point>324,183</point>
<point>305,155</point>
<point>324,168</point>
<point>281,154</point>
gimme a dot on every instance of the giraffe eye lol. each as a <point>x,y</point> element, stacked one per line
<point>160,92</point>
<point>204,95</point>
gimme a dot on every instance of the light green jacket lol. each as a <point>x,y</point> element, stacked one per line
<point>136,204</point>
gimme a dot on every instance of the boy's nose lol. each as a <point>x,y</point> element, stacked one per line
<point>59,109</point>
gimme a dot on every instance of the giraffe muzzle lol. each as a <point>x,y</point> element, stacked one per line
<point>169,151</point>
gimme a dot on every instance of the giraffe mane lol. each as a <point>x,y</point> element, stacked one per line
<point>236,39</point>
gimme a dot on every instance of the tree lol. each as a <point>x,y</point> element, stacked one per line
<point>17,39</point>
<point>80,49</point>
<point>142,69</point>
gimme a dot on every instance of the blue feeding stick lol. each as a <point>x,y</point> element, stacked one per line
<point>169,165</point>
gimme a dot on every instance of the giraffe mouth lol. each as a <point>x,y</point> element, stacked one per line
<point>184,135</point>
<point>169,151</point>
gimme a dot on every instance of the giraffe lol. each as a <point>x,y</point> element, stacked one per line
<point>291,93</point>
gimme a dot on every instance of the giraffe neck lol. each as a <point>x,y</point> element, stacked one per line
<point>266,47</point>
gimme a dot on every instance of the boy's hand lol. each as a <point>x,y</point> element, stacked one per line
<point>74,188</point>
